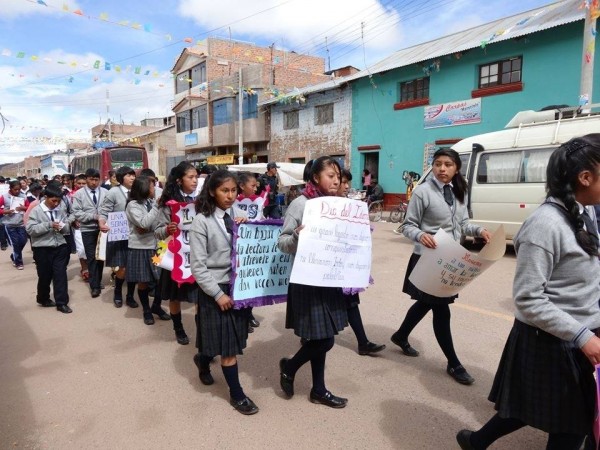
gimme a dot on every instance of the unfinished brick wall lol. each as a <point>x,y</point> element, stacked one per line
<point>281,69</point>
<point>310,141</point>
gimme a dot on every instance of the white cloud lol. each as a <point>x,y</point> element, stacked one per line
<point>19,8</point>
<point>300,25</point>
<point>56,108</point>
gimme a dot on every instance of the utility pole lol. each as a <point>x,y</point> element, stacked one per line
<point>108,115</point>
<point>240,120</point>
<point>587,58</point>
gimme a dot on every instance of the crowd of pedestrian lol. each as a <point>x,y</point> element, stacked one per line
<point>545,376</point>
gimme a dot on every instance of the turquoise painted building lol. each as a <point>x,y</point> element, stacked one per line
<point>480,77</point>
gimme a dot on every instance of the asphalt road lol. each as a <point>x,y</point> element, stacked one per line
<point>100,378</point>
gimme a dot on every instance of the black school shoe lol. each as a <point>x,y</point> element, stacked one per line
<point>460,375</point>
<point>245,406</point>
<point>285,381</point>
<point>463,437</point>
<point>370,348</point>
<point>328,399</point>
<point>407,349</point>
<point>46,303</point>
<point>204,374</point>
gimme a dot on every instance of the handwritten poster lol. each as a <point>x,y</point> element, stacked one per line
<point>182,214</point>
<point>261,271</point>
<point>334,248</point>
<point>253,206</point>
<point>447,269</point>
<point>119,226</point>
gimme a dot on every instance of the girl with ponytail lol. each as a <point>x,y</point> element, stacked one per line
<point>546,374</point>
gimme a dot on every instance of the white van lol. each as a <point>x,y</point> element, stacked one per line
<point>507,169</point>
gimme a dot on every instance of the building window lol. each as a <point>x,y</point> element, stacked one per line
<point>414,90</point>
<point>324,114</point>
<point>199,117</point>
<point>223,111</point>
<point>198,74</point>
<point>183,121</point>
<point>190,78</point>
<point>291,120</point>
<point>500,72</point>
<point>182,82</point>
<point>250,106</point>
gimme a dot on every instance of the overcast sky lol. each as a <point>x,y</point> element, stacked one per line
<point>50,90</point>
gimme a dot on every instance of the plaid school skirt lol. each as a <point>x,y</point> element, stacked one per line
<point>139,266</point>
<point>222,333</point>
<point>417,294</point>
<point>315,312</point>
<point>170,290</point>
<point>544,382</point>
<point>117,254</point>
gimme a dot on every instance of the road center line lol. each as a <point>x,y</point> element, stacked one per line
<point>485,312</point>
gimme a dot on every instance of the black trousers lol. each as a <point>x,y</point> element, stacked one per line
<point>95,267</point>
<point>3,238</point>
<point>51,265</point>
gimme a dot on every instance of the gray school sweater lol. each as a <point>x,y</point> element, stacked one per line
<point>556,286</point>
<point>138,216</point>
<point>39,227</point>
<point>115,200</point>
<point>428,212</point>
<point>288,239</point>
<point>210,253</point>
<point>84,209</point>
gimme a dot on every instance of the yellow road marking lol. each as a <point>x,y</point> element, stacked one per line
<point>485,312</point>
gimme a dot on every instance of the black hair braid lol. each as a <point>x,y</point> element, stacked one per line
<point>584,239</point>
<point>564,166</point>
<point>459,186</point>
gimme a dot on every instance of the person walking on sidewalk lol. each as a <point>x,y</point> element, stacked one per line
<point>222,330</point>
<point>315,313</point>
<point>440,203</point>
<point>47,226</point>
<point>545,378</point>
<point>86,204</point>
<point>142,215</point>
<point>12,207</point>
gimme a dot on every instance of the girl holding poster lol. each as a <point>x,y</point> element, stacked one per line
<point>316,314</point>
<point>439,202</point>
<point>222,330</point>
<point>141,216</point>
<point>545,378</point>
<point>181,186</point>
<point>253,205</point>
<point>115,200</point>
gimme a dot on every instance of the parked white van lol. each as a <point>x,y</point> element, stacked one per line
<point>506,169</point>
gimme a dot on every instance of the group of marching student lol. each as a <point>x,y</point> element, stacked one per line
<point>545,377</point>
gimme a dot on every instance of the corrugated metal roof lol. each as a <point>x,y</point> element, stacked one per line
<point>543,18</point>
<point>325,86</point>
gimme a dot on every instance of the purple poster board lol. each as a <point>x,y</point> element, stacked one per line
<point>261,271</point>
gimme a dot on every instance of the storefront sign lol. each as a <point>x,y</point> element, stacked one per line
<point>451,114</point>
<point>219,160</point>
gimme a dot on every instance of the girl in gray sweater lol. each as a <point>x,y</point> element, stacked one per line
<point>440,202</point>
<point>222,330</point>
<point>546,375</point>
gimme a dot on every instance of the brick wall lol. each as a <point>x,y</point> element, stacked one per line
<point>310,141</point>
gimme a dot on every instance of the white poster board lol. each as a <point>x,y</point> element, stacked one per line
<point>334,248</point>
<point>447,269</point>
<point>119,226</point>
